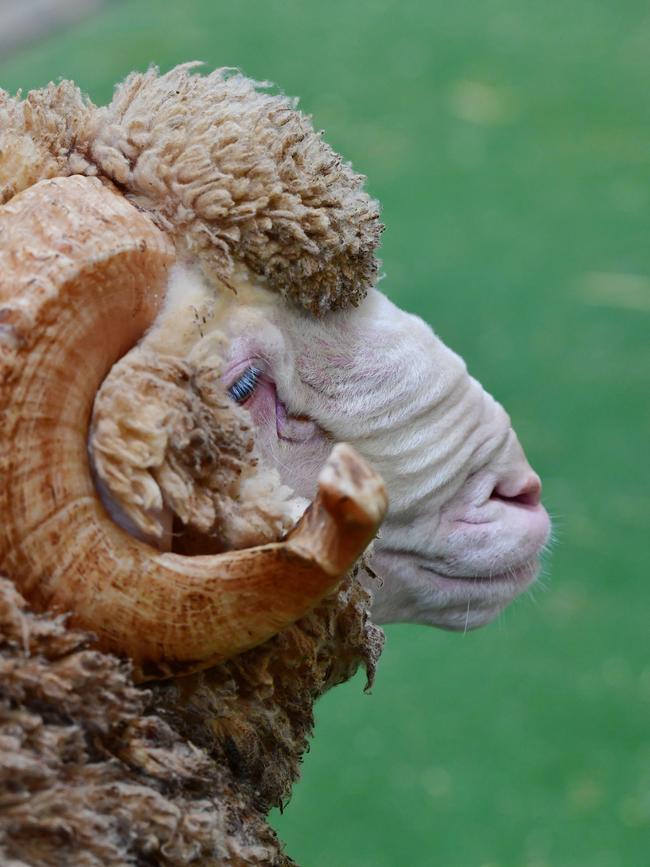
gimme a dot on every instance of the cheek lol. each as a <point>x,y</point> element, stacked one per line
<point>296,446</point>
<point>300,462</point>
<point>262,409</point>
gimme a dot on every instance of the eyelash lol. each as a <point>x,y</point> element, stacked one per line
<point>244,387</point>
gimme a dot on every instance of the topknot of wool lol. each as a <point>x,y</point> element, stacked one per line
<point>239,174</point>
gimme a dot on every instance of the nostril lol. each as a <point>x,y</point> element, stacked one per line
<point>524,492</point>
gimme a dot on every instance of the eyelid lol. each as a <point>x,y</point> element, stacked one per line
<point>235,369</point>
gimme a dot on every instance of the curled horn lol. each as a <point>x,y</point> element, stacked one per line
<point>82,276</point>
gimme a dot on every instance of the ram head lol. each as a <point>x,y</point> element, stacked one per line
<point>189,327</point>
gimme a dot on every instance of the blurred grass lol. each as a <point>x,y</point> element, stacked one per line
<point>509,145</point>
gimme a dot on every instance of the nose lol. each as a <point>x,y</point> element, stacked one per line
<point>525,490</point>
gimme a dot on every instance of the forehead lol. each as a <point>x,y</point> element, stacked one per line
<point>375,328</point>
<point>376,340</point>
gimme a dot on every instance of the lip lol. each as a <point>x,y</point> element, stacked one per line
<point>535,514</point>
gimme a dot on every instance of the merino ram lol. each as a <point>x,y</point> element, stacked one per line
<point>188,327</point>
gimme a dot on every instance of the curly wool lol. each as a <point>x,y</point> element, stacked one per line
<point>40,137</point>
<point>233,173</point>
<point>88,779</point>
<point>254,713</point>
<point>95,772</point>
<point>164,431</point>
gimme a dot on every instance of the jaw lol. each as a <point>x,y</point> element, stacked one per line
<point>415,590</point>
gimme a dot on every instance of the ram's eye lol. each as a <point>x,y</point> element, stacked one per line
<point>243,387</point>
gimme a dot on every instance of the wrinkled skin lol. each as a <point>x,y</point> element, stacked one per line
<point>465,526</point>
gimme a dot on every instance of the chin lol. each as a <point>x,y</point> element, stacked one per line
<point>415,591</point>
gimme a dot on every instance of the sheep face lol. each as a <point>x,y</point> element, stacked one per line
<point>465,526</point>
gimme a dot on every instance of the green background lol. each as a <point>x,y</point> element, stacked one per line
<point>509,144</point>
